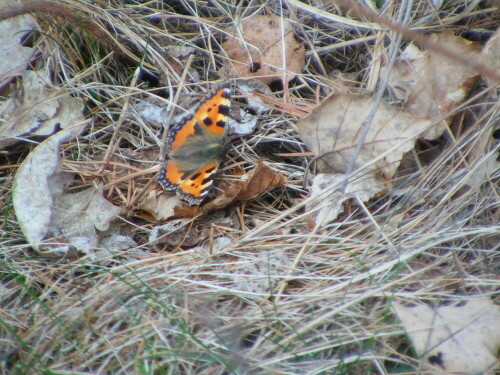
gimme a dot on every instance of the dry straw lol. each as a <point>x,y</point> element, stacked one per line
<point>283,297</point>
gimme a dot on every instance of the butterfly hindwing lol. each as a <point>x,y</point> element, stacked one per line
<point>195,188</point>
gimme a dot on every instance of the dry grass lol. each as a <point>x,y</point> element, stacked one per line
<point>282,297</point>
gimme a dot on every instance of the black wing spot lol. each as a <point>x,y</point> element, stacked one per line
<point>224,109</point>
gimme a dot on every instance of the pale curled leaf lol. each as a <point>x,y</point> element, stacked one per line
<point>117,242</point>
<point>211,247</point>
<point>157,116</point>
<point>153,113</point>
<point>179,52</point>
<point>161,206</point>
<point>483,159</point>
<point>460,338</point>
<point>40,110</point>
<point>328,202</point>
<point>15,56</point>
<point>248,88</point>
<point>36,182</point>
<point>262,274</point>
<point>244,124</point>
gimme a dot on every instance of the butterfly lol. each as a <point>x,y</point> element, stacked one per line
<point>195,146</point>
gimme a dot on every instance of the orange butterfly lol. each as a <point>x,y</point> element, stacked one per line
<point>195,146</point>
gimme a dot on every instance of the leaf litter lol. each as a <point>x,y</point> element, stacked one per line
<point>15,55</point>
<point>263,47</point>
<point>283,258</point>
<point>464,337</point>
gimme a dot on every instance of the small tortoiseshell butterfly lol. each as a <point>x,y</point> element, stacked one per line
<point>195,146</point>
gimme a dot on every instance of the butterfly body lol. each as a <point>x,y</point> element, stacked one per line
<point>195,146</point>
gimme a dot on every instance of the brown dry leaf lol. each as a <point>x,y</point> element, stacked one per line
<point>261,178</point>
<point>256,50</point>
<point>434,84</point>
<point>336,126</point>
<point>460,338</point>
<point>255,182</point>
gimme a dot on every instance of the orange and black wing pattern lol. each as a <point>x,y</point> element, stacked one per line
<point>193,145</point>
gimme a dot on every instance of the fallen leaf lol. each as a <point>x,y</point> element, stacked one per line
<point>180,232</point>
<point>261,178</point>
<point>460,338</point>
<point>255,103</point>
<point>483,159</point>
<point>117,242</point>
<point>77,218</point>
<point>187,233</point>
<point>160,206</point>
<point>434,84</point>
<point>255,50</point>
<point>212,247</point>
<point>490,55</point>
<point>255,182</point>
<point>36,183</point>
<point>328,202</point>
<point>261,275</point>
<point>157,115</point>
<point>332,131</point>
<point>153,113</point>
<point>242,124</point>
<point>40,111</point>
<point>179,52</point>
<point>15,56</point>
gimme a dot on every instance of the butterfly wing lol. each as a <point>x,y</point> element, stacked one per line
<point>213,113</point>
<point>195,145</point>
<point>195,188</point>
<point>208,120</point>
